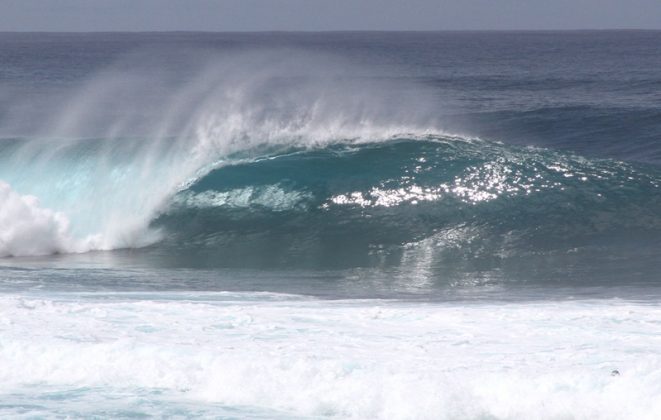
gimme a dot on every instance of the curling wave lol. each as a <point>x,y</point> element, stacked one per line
<point>445,197</point>
<point>107,159</point>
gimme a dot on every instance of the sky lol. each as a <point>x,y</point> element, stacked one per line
<point>323,15</point>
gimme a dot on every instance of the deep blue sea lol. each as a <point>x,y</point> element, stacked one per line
<point>348,225</point>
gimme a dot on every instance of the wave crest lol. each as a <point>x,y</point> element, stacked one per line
<point>114,154</point>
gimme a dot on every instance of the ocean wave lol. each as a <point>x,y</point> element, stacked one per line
<point>361,203</point>
<point>461,198</point>
<point>111,155</point>
<point>260,158</point>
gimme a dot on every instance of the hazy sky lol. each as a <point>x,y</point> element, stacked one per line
<point>247,15</point>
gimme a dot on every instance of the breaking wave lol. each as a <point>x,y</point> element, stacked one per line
<point>439,198</point>
<point>261,160</point>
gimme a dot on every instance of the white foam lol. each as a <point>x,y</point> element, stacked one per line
<point>360,359</point>
<point>28,229</point>
<point>273,197</point>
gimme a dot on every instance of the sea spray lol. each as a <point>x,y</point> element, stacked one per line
<point>113,154</point>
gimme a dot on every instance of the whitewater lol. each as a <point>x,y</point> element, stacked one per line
<point>350,225</point>
<point>262,355</point>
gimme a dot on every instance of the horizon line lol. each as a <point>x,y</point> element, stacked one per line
<point>301,31</point>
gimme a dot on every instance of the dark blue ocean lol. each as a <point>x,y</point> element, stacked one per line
<point>353,225</point>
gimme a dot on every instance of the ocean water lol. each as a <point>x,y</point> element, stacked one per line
<point>345,225</point>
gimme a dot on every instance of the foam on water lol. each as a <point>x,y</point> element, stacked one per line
<point>268,353</point>
<point>22,220</point>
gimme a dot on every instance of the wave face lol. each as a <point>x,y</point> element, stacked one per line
<point>430,201</point>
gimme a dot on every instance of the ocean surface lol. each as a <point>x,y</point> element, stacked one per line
<point>441,225</point>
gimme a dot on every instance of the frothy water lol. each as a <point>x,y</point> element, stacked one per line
<point>245,354</point>
<point>22,220</point>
